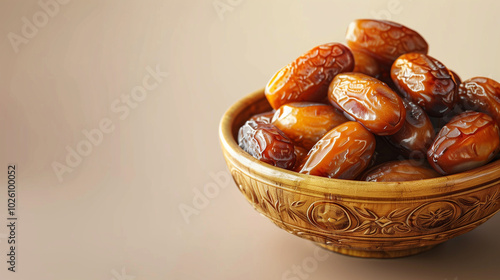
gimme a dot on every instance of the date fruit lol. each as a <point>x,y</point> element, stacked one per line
<point>300,156</point>
<point>368,101</point>
<point>469,140</point>
<point>384,40</point>
<point>425,81</point>
<point>307,78</point>
<point>481,94</point>
<point>306,122</point>
<point>457,78</point>
<point>395,171</point>
<point>366,64</point>
<point>267,143</point>
<point>343,153</point>
<point>263,117</point>
<point>416,136</point>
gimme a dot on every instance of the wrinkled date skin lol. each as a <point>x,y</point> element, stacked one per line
<point>416,136</point>
<point>267,143</point>
<point>425,81</point>
<point>395,171</point>
<point>307,78</point>
<point>368,101</point>
<point>468,141</point>
<point>306,122</point>
<point>366,64</point>
<point>481,94</point>
<point>343,153</point>
<point>384,40</point>
<point>265,117</point>
<point>300,156</point>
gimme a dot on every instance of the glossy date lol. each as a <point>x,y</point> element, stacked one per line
<point>394,171</point>
<point>481,94</point>
<point>416,136</point>
<point>384,40</point>
<point>366,64</point>
<point>344,152</point>
<point>307,78</point>
<point>267,143</point>
<point>368,101</point>
<point>263,117</point>
<point>425,81</point>
<point>300,156</point>
<point>469,140</point>
<point>306,122</point>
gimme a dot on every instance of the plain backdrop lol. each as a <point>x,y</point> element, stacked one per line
<point>68,67</point>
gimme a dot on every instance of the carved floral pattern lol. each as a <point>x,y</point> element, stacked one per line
<point>353,224</point>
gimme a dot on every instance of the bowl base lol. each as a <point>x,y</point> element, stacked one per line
<point>376,254</point>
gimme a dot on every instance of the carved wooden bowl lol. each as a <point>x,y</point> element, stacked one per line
<point>364,219</point>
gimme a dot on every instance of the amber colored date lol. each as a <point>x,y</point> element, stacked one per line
<point>343,153</point>
<point>395,171</point>
<point>306,122</point>
<point>416,136</point>
<point>267,143</point>
<point>469,140</point>
<point>481,94</point>
<point>307,78</point>
<point>384,40</point>
<point>425,81</point>
<point>263,117</point>
<point>366,64</point>
<point>368,101</point>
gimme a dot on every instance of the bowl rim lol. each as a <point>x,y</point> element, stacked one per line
<point>472,180</point>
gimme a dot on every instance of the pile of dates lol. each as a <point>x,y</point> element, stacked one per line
<point>378,109</point>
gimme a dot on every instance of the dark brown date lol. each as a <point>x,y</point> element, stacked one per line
<point>267,143</point>
<point>307,78</point>
<point>425,81</point>
<point>416,136</point>
<point>300,156</point>
<point>457,78</point>
<point>366,64</point>
<point>384,152</point>
<point>395,171</point>
<point>306,122</point>
<point>263,117</point>
<point>368,101</point>
<point>481,94</point>
<point>469,140</point>
<point>384,40</point>
<point>344,152</point>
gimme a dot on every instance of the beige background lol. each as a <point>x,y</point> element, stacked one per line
<point>116,215</point>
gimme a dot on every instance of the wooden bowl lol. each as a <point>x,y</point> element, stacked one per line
<point>363,219</point>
